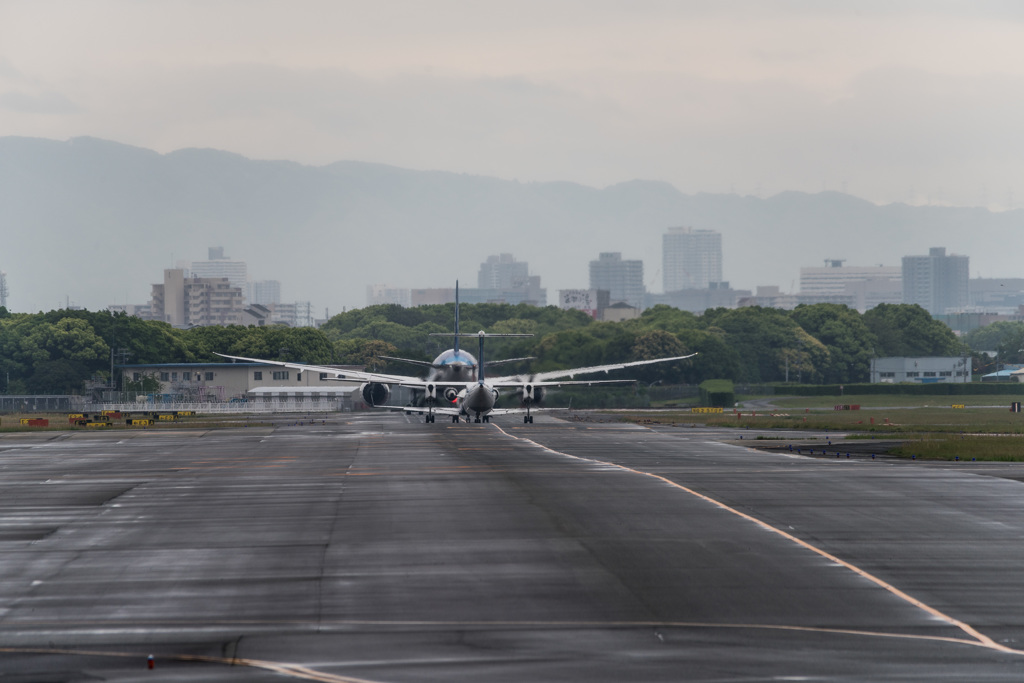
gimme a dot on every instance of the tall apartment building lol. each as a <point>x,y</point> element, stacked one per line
<point>691,259</point>
<point>196,301</point>
<point>936,282</point>
<point>218,265</point>
<point>502,279</point>
<point>863,286</point>
<point>382,294</point>
<point>624,279</point>
<point>264,292</point>
<point>503,272</point>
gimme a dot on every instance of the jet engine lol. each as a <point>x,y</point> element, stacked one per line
<point>450,394</point>
<point>532,394</point>
<point>375,394</point>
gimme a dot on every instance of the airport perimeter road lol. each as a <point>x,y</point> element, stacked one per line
<point>378,548</point>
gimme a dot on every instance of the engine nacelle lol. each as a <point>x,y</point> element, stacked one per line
<point>532,394</point>
<point>375,393</point>
<point>450,394</point>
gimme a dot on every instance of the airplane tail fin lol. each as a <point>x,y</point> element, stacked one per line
<point>456,347</point>
<point>481,335</point>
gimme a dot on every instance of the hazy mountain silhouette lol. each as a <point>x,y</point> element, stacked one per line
<point>97,221</point>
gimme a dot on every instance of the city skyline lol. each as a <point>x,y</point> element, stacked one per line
<point>297,224</point>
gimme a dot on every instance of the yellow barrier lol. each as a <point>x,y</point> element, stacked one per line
<point>959,405</point>
<point>706,410</point>
<point>185,413</point>
<point>99,424</point>
<point>139,422</point>
<point>168,418</point>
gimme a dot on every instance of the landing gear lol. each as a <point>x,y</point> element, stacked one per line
<point>528,419</point>
<point>430,417</point>
<point>455,419</point>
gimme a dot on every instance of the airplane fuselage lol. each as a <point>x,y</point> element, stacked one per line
<point>453,366</point>
<point>477,401</point>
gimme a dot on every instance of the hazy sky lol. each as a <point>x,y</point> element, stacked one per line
<point>891,101</point>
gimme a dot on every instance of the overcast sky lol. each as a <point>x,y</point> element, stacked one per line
<point>892,101</point>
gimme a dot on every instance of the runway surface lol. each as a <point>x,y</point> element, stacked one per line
<point>373,547</point>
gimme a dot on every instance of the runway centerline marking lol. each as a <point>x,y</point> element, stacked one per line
<point>981,638</point>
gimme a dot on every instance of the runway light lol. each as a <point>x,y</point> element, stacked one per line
<point>150,662</point>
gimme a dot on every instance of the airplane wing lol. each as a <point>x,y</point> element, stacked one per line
<point>339,375</point>
<point>437,410</point>
<point>504,360</point>
<point>335,373</point>
<point>501,383</point>
<point>410,361</point>
<point>572,372</point>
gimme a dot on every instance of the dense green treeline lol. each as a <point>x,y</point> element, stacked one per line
<point>56,352</point>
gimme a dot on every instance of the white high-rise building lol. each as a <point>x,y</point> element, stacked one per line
<point>864,287</point>
<point>220,266</point>
<point>691,259</point>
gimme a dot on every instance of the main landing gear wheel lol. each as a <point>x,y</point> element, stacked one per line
<point>430,418</point>
<point>455,419</point>
<point>528,419</point>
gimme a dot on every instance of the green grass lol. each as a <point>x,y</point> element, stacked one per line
<point>878,401</point>
<point>967,447</point>
<point>904,419</point>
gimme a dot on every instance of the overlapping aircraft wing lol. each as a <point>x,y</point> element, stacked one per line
<point>336,373</point>
<point>437,410</point>
<point>572,372</point>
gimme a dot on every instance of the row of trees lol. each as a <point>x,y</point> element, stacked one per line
<point>56,352</point>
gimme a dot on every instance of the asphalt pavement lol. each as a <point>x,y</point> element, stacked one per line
<point>374,547</point>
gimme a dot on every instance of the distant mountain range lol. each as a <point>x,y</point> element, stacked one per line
<point>94,222</point>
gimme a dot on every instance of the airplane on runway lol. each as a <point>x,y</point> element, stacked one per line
<point>472,399</point>
<point>451,378</point>
<point>455,365</point>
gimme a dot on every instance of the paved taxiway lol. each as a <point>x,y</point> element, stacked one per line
<point>378,548</point>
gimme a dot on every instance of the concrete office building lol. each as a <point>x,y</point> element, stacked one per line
<point>863,286</point>
<point>377,295</point>
<point>624,279</point>
<point>936,282</point>
<point>264,292</point>
<point>503,272</point>
<point>691,259</point>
